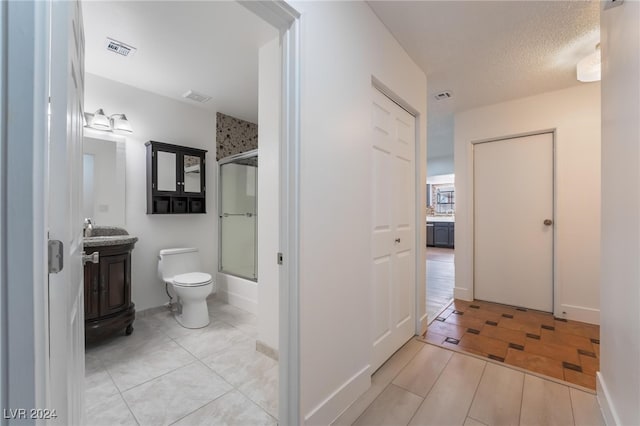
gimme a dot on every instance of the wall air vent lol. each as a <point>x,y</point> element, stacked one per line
<point>197,97</point>
<point>443,95</point>
<point>120,48</point>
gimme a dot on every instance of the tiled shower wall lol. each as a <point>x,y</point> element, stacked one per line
<point>234,136</point>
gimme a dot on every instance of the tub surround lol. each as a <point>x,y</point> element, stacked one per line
<point>234,136</point>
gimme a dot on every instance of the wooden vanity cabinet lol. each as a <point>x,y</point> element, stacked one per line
<point>107,292</point>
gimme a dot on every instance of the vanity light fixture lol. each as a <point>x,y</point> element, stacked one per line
<point>113,123</point>
<point>589,68</point>
<point>99,121</point>
<point>120,122</point>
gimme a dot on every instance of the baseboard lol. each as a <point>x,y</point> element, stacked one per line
<point>238,301</point>
<point>151,311</point>
<point>604,400</point>
<point>267,350</point>
<point>579,313</point>
<point>424,322</point>
<point>463,294</point>
<point>329,409</point>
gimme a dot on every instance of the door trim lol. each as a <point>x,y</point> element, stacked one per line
<point>285,18</point>
<point>24,94</point>
<point>554,263</point>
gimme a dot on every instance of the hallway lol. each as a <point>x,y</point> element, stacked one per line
<point>423,384</point>
<point>440,279</point>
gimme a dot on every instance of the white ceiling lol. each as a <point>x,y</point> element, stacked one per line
<point>209,47</point>
<point>490,51</point>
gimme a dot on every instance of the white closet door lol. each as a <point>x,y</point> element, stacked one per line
<point>513,221</point>
<point>393,233</point>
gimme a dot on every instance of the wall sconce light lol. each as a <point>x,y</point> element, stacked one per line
<point>589,68</point>
<point>99,121</point>
<point>120,122</point>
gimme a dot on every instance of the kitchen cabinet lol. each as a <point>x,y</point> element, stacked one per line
<point>442,234</point>
<point>175,179</point>
<point>430,229</point>
<point>107,291</point>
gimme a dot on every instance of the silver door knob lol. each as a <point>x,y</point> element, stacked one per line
<point>93,257</point>
<point>548,222</point>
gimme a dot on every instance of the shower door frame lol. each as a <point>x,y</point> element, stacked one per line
<point>228,160</point>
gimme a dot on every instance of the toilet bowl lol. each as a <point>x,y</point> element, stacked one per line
<point>179,268</point>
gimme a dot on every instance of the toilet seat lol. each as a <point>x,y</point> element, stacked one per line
<point>192,279</point>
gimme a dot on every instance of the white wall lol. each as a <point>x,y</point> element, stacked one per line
<point>158,118</point>
<point>343,45</point>
<point>268,193</point>
<point>575,114</point>
<point>619,378</point>
<point>440,165</point>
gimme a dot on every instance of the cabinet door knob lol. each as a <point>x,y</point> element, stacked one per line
<point>548,222</point>
<point>93,257</point>
<point>397,240</point>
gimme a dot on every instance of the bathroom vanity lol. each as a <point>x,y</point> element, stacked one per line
<point>108,308</point>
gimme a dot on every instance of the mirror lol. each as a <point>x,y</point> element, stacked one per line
<point>104,178</point>
<point>191,173</point>
<point>167,171</point>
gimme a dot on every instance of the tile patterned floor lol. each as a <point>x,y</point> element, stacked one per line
<point>536,341</point>
<point>440,279</point>
<point>423,384</point>
<point>166,374</point>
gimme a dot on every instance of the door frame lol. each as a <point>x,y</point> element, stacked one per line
<point>24,97</point>
<point>554,264</point>
<point>420,212</point>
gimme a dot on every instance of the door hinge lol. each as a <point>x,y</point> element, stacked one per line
<point>280,258</point>
<point>56,258</point>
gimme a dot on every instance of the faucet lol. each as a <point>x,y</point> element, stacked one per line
<point>87,229</point>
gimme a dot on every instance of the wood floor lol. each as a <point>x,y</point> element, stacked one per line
<point>440,279</point>
<point>423,384</point>
<point>533,340</point>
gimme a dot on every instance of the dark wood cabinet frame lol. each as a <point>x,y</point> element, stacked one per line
<point>178,201</point>
<point>108,308</point>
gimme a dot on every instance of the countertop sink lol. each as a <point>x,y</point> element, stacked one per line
<point>108,236</point>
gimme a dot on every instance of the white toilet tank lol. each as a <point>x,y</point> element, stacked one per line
<point>177,261</point>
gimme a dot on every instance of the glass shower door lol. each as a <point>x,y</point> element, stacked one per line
<point>238,220</point>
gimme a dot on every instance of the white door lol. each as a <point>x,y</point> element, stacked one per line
<point>393,233</point>
<point>66,304</point>
<point>513,203</point>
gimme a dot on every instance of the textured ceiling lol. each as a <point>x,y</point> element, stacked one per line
<point>490,51</point>
<point>209,47</point>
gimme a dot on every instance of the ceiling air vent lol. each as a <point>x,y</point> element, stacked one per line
<point>443,95</point>
<point>195,96</point>
<point>612,3</point>
<point>120,48</point>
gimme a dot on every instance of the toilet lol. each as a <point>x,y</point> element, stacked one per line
<point>180,268</point>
